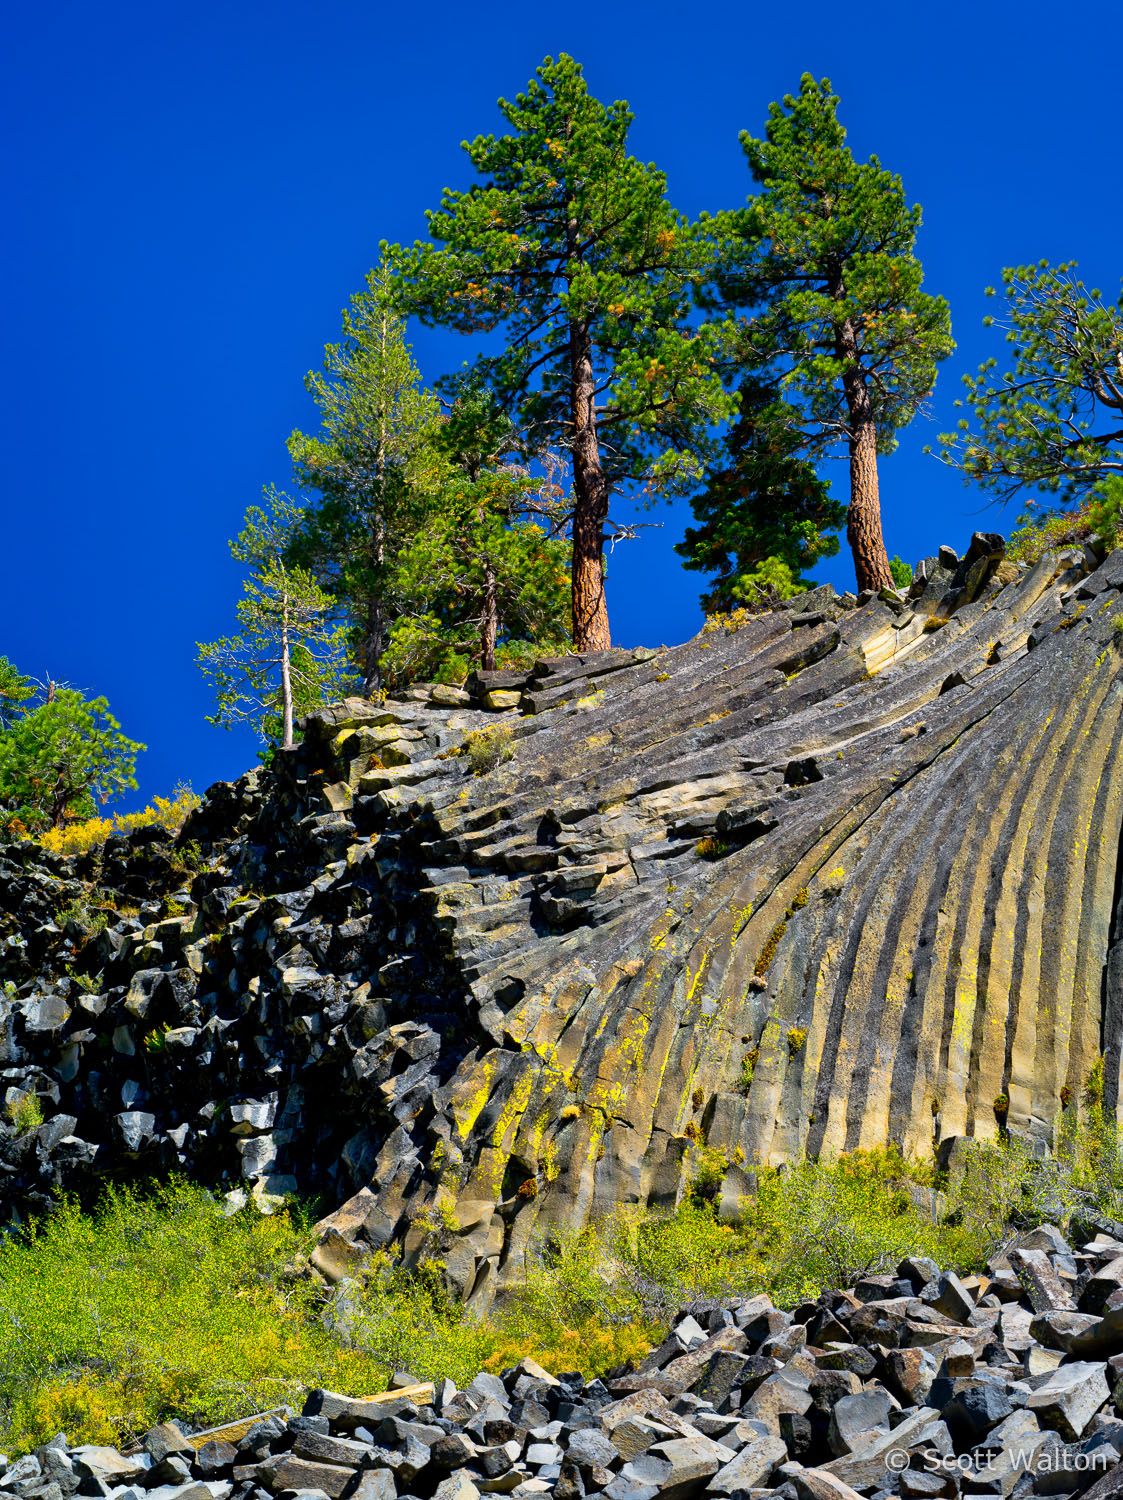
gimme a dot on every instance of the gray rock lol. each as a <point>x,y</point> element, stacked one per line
<point>458,1486</point>
<point>330,1450</point>
<point>1069,1398</point>
<point>857,1420</point>
<point>589,1447</point>
<point>291,1473</point>
<point>753,1466</point>
<point>1043,1286</point>
<point>374,1484</point>
<point>693,1460</point>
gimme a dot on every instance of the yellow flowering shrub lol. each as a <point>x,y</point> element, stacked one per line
<point>78,838</point>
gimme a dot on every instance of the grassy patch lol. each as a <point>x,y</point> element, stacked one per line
<point>159,1305</point>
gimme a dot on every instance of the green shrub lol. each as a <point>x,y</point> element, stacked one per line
<point>748,1069</point>
<point>1105,511</point>
<point>25,1113</point>
<point>1006,1182</point>
<point>901,571</point>
<point>711,848</point>
<point>1037,534</point>
<point>487,748</point>
<point>159,1305</point>
<point>83,913</point>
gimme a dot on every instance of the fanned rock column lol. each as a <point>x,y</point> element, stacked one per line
<point>506,957</point>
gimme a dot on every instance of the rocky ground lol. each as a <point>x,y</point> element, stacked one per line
<point>917,1384</point>
<point>478,962</point>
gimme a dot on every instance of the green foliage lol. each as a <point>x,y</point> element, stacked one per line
<point>368,470</point>
<point>15,691</point>
<point>1040,532</point>
<point>59,758</point>
<point>85,982</point>
<point>568,249</point>
<point>1008,1181</point>
<point>765,515</point>
<point>1036,420</point>
<point>821,290</point>
<point>160,1305</point>
<point>1105,510</point>
<point>83,913</point>
<point>25,1113</point>
<point>711,848</point>
<point>748,1069</point>
<point>488,747</point>
<point>901,571</point>
<point>1094,1084</point>
<point>479,582</point>
<point>287,658</point>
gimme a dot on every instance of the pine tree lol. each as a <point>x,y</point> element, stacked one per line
<point>482,583</point>
<point>378,422</point>
<point>570,248</point>
<point>288,657</point>
<point>15,691</point>
<point>1052,421</point>
<point>60,757</point>
<point>822,290</point>
<point>765,515</point>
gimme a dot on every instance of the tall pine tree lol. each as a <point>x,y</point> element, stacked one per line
<point>364,469</point>
<point>764,515</point>
<point>569,247</point>
<point>822,292</point>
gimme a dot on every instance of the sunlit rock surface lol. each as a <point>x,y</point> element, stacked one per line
<point>833,876</point>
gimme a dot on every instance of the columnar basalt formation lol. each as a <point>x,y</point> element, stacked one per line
<point>837,875</point>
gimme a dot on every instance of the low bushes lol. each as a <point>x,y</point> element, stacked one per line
<point>159,1305</point>
<point>488,747</point>
<point>78,838</point>
<point>1101,515</point>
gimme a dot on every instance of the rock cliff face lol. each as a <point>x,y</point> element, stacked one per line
<point>838,875</point>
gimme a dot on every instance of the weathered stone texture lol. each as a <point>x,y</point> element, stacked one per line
<point>841,876</point>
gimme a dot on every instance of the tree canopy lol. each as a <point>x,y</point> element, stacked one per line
<point>765,516</point>
<point>364,470</point>
<point>569,249</point>
<point>288,657</point>
<point>821,291</point>
<point>481,584</point>
<point>61,755</point>
<point>1051,419</point>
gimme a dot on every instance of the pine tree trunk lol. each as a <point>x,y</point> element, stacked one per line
<point>375,643</point>
<point>590,611</point>
<point>286,686</point>
<point>372,648</point>
<point>863,522</point>
<point>489,623</point>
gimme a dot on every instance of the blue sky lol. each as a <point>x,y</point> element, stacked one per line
<point>194,191</point>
